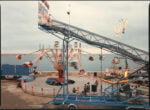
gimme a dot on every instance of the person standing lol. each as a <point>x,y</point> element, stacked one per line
<point>85,89</point>
<point>96,82</point>
<point>74,90</point>
<point>88,87</point>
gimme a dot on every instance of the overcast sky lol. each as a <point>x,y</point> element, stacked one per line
<point>19,24</point>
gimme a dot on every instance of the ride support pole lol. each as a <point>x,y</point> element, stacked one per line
<point>25,88</point>
<point>33,90</point>
<point>22,83</point>
<point>54,91</point>
<point>78,90</point>
<point>42,91</point>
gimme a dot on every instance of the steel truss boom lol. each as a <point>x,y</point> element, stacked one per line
<point>99,41</point>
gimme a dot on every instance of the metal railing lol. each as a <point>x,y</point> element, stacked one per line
<point>50,92</point>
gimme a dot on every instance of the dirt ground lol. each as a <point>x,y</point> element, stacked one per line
<point>14,98</point>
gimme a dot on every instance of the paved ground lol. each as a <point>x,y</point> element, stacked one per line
<point>40,82</point>
<point>15,98</point>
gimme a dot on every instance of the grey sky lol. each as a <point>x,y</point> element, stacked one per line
<point>20,27</point>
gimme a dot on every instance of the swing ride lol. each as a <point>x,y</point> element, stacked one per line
<point>54,55</point>
<point>61,59</point>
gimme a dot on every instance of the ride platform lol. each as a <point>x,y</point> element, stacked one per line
<point>94,100</point>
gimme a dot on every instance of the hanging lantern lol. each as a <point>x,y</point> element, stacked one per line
<point>82,71</point>
<point>116,60</point>
<point>91,58</point>
<point>40,58</point>
<point>27,64</point>
<point>75,67</point>
<point>18,57</point>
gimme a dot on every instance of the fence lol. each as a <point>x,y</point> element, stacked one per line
<point>47,92</point>
<point>50,92</point>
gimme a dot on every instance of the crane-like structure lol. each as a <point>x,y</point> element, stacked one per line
<point>96,40</point>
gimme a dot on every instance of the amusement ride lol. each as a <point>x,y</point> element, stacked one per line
<point>62,58</point>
